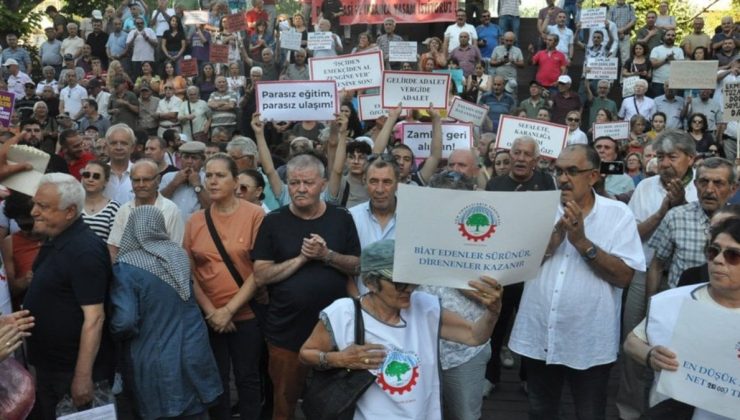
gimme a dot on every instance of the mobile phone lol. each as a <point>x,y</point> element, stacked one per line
<point>611,168</point>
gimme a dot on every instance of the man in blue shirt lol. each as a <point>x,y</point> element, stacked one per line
<point>498,102</point>
<point>488,35</point>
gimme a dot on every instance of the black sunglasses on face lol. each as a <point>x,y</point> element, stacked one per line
<point>95,176</point>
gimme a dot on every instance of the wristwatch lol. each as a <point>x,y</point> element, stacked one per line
<point>590,253</point>
<point>198,189</point>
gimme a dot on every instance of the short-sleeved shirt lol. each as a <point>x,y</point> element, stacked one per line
<point>172,220</point>
<point>72,45</point>
<point>116,43</point>
<point>662,73</point>
<point>124,115</point>
<point>599,103</point>
<point>184,195</point>
<point>223,118</point>
<point>565,37</point>
<point>508,70</point>
<point>51,53</point>
<point>97,42</point>
<point>497,107</point>
<point>532,108</point>
<point>562,105</point>
<point>672,109</point>
<point>296,301</point>
<point>549,64</point>
<point>20,55</point>
<point>142,49</point>
<point>491,33</point>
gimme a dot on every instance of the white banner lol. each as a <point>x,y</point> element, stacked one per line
<point>499,234</point>
<point>195,17</point>
<point>290,40</point>
<point>688,74</point>
<point>550,137</point>
<point>602,68</point>
<point>619,130</point>
<point>356,71</point>
<point>297,100</point>
<point>402,51</point>
<point>593,18</point>
<point>467,111</point>
<point>731,102</point>
<point>418,136</point>
<point>415,90</point>
<point>706,341</point>
<point>318,41</point>
<point>628,85</point>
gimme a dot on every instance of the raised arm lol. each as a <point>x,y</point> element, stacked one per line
<point>382,140</point>
<point>488,293</point>
<point>430,165</point>
<point>268,166</point>
<point>340,156</point>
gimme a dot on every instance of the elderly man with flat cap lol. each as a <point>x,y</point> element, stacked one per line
<point>185,187</point>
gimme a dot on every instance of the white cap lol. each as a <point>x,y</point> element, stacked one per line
<point>97,15</point>
<point>10,62</point>
<point>565,79</point>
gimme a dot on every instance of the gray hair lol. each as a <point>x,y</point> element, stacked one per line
<point>306,161</point>
<point>527,140</point>
<point>121,127</point>
<point>671,139</point>
<point>717,162</point>
<point>39,104</point>
<point>244,144</point>
<point>192,89</point>
<point>641,82</point>
<point>145,162</point>
<point>71,192</point>
<point>256,70</point>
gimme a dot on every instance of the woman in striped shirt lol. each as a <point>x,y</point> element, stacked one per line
<point>99,211</point>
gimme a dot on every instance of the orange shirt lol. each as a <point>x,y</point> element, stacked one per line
<point>237,232</point>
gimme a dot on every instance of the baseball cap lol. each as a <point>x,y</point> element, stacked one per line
<point>564,79</point>
<point>29,84</point>
<point>378,258</point>
<point>96,14</point>
<point>10,62</point>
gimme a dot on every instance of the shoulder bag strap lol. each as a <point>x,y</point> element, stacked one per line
<point>345,195</point>
<point>221,250</point>
<point>359,324</point>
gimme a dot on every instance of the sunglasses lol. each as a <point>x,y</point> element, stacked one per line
<point>93,175</point>
<point>244,187</point>
<point>573,119</point>
<point>730,255</point>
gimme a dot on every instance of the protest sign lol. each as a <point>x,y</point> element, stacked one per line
<point>188,67</point>
<point>418,137</point>
<point>593,18</point>
<point>550,137</point>
<point>415,90</point>
<point>403,11</point>
<point>303,100</point>
<point>706,340</point>
<point>731,102</point>
<point>402,51</point>
<point>195,17</point>
<point>318,41</point>
<point>467,111</point>
<point>27,182</point>
<point>628,85</point>
<point>602,68</point>
<point>290,40</point>
<point>497,234</point>
<point>235,23</point>
<point>457,77</point>
<point>355,71</point>
<point>7,100</point>
<point>370,108</point>
<point>689,74</point>
<point>218,53</point>
<point>619,130</point>
<point>104,412</point>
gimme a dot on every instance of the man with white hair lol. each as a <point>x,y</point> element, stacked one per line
<point>70,349</point>
<point>120,141</point>
<point>639,104</point>
<point>145,180</point>
<point>72,44</point>
<point>464,162</point>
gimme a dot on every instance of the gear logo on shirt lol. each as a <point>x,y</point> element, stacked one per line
<point>399,372</point>
<point>477,221</point>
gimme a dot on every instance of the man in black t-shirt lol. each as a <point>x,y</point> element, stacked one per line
<point>306,253</point>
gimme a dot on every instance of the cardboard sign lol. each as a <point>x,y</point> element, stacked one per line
<point>318,41</point>
<point>303,100</point>
<point>370,108</point>
<point>290,40</point>
<point>688,74</point>
<point>402,51</point>
<point>602,68</point>
<point>188,67</point>
<point>593,18</point>
<point>550,137</point>
<point>235,23</point>
<point>355,71</point>
<point>467,111</point>
<point>27,182</point>
<point>403,11</point>
<point>499,234</point>
<point>418,136</point>
<point>731,102</point>
<point>7,101</point>
<point>628,85</point>
<point>219,53</point>
<point>195,17</point>
<point>415,90</point>
<point>619,130</point>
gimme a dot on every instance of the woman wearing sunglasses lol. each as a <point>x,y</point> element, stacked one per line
<point>252,188</point>
<point>647,343</point>
<point>99,212</point>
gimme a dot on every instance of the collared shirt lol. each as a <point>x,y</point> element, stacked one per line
<point>508,70</point>
<point>565,38</point>
<point>453,31</point>
<point>631,106</point>
<point>116,43</point>
<point>661,74</point>
<point>680,238</point>
<point>172,220</point>
<point>51,53</point>
<point>293,72</point>
<point>16,84</point>
<point>142,49</point>
<point>103,100</point>
<point>384,41</point>
<point>72,45</point>
<point>562,105</point>
<point>148,113</point>
<point>20,55</point>
<point>223,118</point>
<point>621,14</point>
<point>549,64</point>
<point>490,33</point>
<point>370,231</point>
<point>40,86</point>
<point>72,98</point>
<point>597,104</point>
<point>672,110</point>
<point>497,107</point>
<point>167,106</point>
<point>120,189</point>
<point>710,109</point>
<point>532,107</point>
<point>467,57</point>
<point>551,325</point>
<point>184,195</point>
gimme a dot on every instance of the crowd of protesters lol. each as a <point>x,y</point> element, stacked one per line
<point>182,250</point>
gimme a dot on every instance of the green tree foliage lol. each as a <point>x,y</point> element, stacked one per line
<point>83,8</point>
<point>19,17</point>
<point>397,369</point>
<point>681,10</point>
<point>477,220</point>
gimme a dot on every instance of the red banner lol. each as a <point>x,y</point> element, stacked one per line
<point>403,11</point>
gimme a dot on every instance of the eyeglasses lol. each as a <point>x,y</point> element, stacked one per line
<point>400,287</point>
<point>573,119</point>
<point>571,171</point>
<point>93,175</point>
<point>730,255</point>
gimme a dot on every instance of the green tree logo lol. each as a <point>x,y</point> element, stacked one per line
<point>477,220</point>
<point>397,369</point>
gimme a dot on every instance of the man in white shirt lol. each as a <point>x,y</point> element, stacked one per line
<point>120,141</point>
<point>71,97</point>
<point>73,43</point>
<point>160,20</point>
<point>661,57</point>
<point>452,33</point>
<point>637,104</point>
<point>141,42</point>
<point>95,90</point>
<point>145,180</point>
<point>592,255</point>
<point>565,34</point>
<point>167,110</point>
<point>16,79</point>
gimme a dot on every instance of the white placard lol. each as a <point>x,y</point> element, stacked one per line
<point>602,68</point>
<point>689,74</point>
<point>27,182</point>
<point>418,136</point>
<point>706,340</point>
<point>351,72</point>
<point>628,85</point>
<point>415,90</point>
<point>195,17</point>
<point>402,51</point>
<point>371,109</point>
<point>619,130</point>
<point>550,137</point>
<point>593,18</point>
<point>318,41</point>
<point>499,234</point>
<point>303,100</point>
<point>731,102</point>
<point>467,111</point>
<point>290,40</point>
<point>106,412</point>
